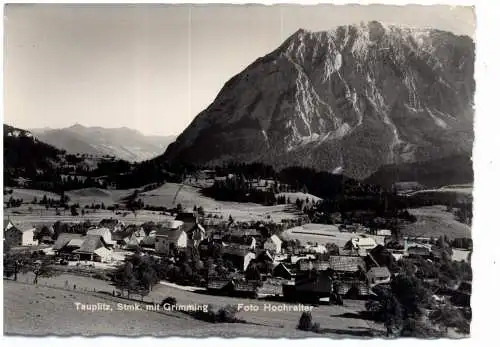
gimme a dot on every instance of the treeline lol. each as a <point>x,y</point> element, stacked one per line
<point>239,189</point>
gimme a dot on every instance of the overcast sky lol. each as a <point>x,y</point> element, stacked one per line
<point>155,67</point>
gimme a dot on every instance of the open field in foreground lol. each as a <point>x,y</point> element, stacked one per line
<point>38,310</point>
<point>434,221</point>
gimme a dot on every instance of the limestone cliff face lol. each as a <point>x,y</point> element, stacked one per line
<point>347,100</point>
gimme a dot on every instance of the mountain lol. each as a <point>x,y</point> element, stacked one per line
<point>24,155</point>
<point>434,173</point>
<point>348,100</point>
<point>122,143</point>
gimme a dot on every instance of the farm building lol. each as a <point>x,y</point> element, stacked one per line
<point>346,264</point>
<point>351,287</point>
<point>240,258</point>
<point>170,235</point>
<point>220,285</point>
<point>91,249</point>
<point>273,244</point>
<point>378,275</point>
<point>67,243</point>
<point>105,233</point>
<point>307,265</point>
<point>19,235</point>
<point>243,288</point>
<point>310,288</point>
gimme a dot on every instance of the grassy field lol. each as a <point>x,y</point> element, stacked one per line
<point>163,196</point>
<point>322,234</point>
<point>189,196</point>
<point>39,310</point>
<point>434,221</point>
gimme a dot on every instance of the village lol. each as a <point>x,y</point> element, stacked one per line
<point>288,261</point>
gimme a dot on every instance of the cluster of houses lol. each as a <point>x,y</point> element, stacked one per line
<point>312,272</point>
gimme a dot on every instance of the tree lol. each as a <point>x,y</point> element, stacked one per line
<point>74,212</point>
<point>41,268</point>
<point>179,208</point>
<point>252,272</point>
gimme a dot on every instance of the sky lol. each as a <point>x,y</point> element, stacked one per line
<point>155,67</point>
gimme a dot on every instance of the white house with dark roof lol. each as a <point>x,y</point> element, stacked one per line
<point>171,234</point>
<point>19,234</point>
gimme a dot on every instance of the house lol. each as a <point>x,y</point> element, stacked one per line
<point>220,285</point>
<point>345,264</point>
<point>170,235</point>
<point>91,243</point>
<point>273,244</point>
<point>244,288</point>
<point>351,287</point>
<point>378,275</point>
<point>281,271</point>
<point>310,288</point>
<point>105,233</point>
<point>240,258</point>
<point>66,243</point>
<point>19,235</point>
<point>103,255</point>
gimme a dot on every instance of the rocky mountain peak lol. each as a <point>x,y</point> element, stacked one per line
<point>352,98</point>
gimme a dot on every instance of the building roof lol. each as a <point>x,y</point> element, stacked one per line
<point>381,271</point>
<point>63,239</point>
<point>99,231</point>
<point>345,263</point>
<point>90,244</point>
<point>102,252</point>
<point>275,239</point>
<point>171,235</point>
<point>75,243</point>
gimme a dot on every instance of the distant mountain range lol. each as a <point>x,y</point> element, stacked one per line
<point>122,143</point>
<point>350,100</point>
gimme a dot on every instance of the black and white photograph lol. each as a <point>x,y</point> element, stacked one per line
<point>218,170</point>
